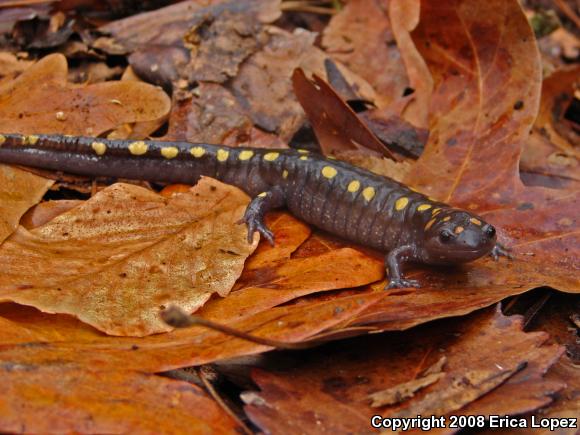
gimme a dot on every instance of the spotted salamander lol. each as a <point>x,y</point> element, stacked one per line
<point>335,196</point>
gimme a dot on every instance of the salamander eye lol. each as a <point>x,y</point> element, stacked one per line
<point>489,231</point>
<point>445,236</point>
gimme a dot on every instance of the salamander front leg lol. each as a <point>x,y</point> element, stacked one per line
<point>257,208</point>
<point>500,251</point>
<point>394,262</point>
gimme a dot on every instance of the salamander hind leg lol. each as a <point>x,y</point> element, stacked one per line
<point>256,210</point>
<point>500,251</point>
<point>394,262</point>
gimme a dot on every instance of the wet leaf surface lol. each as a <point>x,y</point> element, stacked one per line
<point>94,260</point>
<point>59,107</point>
<point>327,390</point>
<point>19,190</point>
<point>457,85</point>
<point>44,399</point>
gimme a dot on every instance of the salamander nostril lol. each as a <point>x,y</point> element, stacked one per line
<point>489,231</point>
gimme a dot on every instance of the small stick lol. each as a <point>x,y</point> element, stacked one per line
<point>178,318</point>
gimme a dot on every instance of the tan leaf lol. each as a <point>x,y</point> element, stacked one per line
<point>119,258</point>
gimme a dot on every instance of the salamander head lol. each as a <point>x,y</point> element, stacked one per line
<point>456,236</point>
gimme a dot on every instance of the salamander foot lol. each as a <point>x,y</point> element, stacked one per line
<point>402,283</point>
<point>500,251</point>
<point>255,223</point>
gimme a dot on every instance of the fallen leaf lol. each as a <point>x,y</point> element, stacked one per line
<point>119,258</point>
<point>404,16</point>
<point>27,107</point>
<point>486,95</point>
<point>360,37</point>
<point>60,399</point>
<point>264,82</point>
<point>31,337</point>
<point>211,115</point>
<point>404,391</point>
<point>335,124</point>
<point>550,150</point>
<point>19,190</point>
<point>326,390</point>
<point>47,211</point>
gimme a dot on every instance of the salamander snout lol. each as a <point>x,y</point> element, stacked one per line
<point>457,236</point>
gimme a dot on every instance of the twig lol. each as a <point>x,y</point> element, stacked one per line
<point>306,6</point>
<point>569,12</point>
<point>178,318</point>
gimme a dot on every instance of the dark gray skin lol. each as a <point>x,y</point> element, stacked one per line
<point>335,196</point>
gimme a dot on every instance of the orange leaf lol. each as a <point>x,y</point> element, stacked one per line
<point>50,399</point>
<point>119,258</point>
<point>31,337</point>
<point>326,390</point>
<point>41,101</point>
<point>19,190</point>
<point>487,74</point>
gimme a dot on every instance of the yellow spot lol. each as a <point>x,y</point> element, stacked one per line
<point>263,194</point>
<point>197,152</point>
<point>246,155</point>
<point>30,140</point>
<point>284,173</point>
<point>303,151</point>
<point>138,148</point>
<point>303,158</point>
<point>2,139</point>
<point>475,221</point>
<point>401,203</point>
<point>368,193</point>
<point>99,147</point>
<point>458,230</point>
<point>446,218</point>
<point>331,157</point>
<point>222,155</point>
<point>60,116</point>
<point>430,224</point>
<point>435,211</point>
<point>328,172</point>
<point>424,207</point>
<point>270,157</point>
<point>169,152</point>
<point>353,186</point>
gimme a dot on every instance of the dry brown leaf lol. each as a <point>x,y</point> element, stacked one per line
<point>404,17</point>
<point>19,190</point>
<point>119,258</point>
<point>57,399</point>
<point>326,390</point>
<point>47,211</point>
<point>264,80</point>
<point>404,391</point>
<point>32,337</point>
<point>360,37</point>
<point>41,101</point>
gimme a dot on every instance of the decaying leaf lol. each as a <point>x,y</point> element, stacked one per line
<point>404,391</point>
<point>481,113</point>
<point>336,125</point>
<point>41,101</point>
<point>360,37</point>
<point>19,190</point>
<point>550,150</point>
<point>118,259</point>
<point>49,399</point>
<point>327,389</point>
<point>32,337</point>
